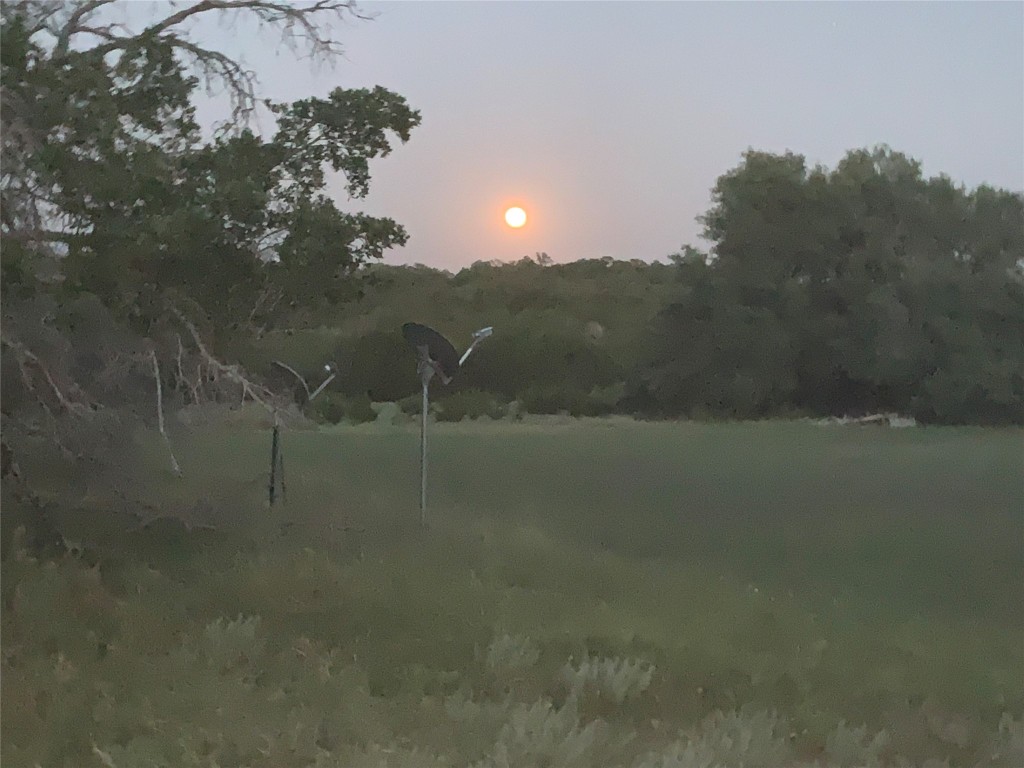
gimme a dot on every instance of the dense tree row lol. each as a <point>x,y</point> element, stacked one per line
<point>866,288</point>
<point>863,289</point>
<point>135,248</point>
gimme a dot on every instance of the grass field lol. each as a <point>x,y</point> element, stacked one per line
<point>604,592</point>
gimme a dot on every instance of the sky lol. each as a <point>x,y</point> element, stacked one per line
<point>609,122</point>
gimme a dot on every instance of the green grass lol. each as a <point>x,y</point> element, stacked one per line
<point>834,574</point>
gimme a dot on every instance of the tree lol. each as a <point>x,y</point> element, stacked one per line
<point>861,289</point>
<point>109,190</point>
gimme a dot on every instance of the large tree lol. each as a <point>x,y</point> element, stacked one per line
<point>119,216</point>
<point>869,287</point>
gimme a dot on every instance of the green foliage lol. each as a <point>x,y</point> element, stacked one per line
<point>333,408</point>
<point>864,289</point>
<point>618,679</point>
<point>510,653</point>
<point>565,341</point>
<point>359,409</point>
<point>136,249</point>
<point>136,663</point>
<point>734,738</point>
<point>103,142</point>
<point>469,404</point>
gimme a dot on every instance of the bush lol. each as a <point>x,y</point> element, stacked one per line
<point>389,414</point>
<point>618,679</point>
<point>329,407</point>
<point>550,400</point>
<point>511,653</point>
<point>359,410</point>
<point>332,408</point>
<point>472,404</point>
<point>410,405</point>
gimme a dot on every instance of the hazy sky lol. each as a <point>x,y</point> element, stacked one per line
<point>609,122</point>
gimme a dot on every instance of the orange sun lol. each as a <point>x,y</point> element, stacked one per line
<point>515,217</point>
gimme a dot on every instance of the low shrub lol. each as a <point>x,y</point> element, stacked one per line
<point>469,404</point>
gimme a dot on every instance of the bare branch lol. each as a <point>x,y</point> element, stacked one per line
<point>175,467</point>
<point>215,66</point>
<point>180,378</point>
<point>303,24</point>
<point>298,21</point>
<point>234,373</point>
<point>294,373</point>
<point>73,25</point>
<point>26,357</point>
<point>104,32</point>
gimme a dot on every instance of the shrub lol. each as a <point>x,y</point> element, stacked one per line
<point>540,734</point>
<point>471,404</point>
<point>329,407</point>
<point>617,679</point>
<point>848,747</point>
<point>511,653</point>
<point>389,414</point>
<point>410,405</point>
<point>551,399</point>
<point>334,408</point>
<point>734,739</point>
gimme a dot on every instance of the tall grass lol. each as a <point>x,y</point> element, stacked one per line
<point>595,593</point>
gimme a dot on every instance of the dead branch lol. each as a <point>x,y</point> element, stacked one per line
<point>214,66</point>
<point>26,357</point>
<point>181,380</point>
<point>175,467</point>
<point>306,25</point>
<point>180,374</point>
<point>255,392</point>
<point>73,25</point>
<point>197,390</point>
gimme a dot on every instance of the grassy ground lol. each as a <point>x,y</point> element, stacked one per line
<point>758,592</point>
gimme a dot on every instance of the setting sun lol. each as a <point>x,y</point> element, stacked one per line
<point>515,217</point>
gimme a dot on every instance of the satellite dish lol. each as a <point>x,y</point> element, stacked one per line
<point>434,354</point>
<point>433,349</point>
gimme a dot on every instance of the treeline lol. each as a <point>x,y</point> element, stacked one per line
<point>137,251</point>
<point>565,337</point>
<point>867,288</point>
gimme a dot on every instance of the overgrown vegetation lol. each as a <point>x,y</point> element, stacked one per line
<point>134,247</point>
<point>868,288</point>
<point>788,595</point>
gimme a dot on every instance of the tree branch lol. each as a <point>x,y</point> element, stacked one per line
<point>73,25</point>
<point>256,392</point>
<point>175,467</point>
<point>25,356</point>
<point>296,22</point>
<point>36,13</point>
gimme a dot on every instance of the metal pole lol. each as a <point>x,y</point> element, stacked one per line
<point>423,455</point>
<point>274,461</point>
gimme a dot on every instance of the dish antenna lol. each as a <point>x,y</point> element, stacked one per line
<point>276,454</point>
<point>434,355</point>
